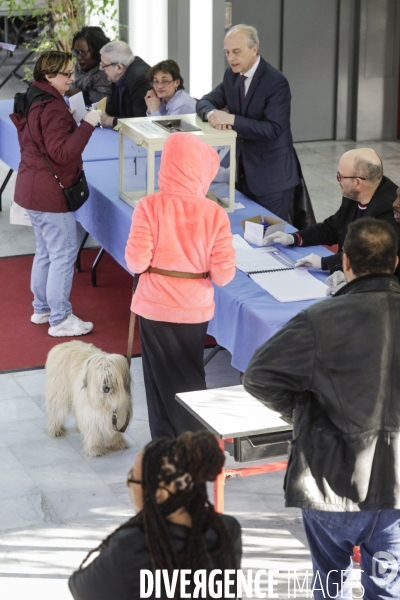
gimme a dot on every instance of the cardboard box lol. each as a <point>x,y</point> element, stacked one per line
<point>256,229</point>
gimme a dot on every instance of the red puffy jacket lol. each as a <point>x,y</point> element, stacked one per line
<point>59,138</point>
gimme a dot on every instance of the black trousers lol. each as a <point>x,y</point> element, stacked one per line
<point>278,203</point>
<point>172,357</point>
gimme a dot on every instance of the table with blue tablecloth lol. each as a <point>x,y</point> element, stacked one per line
<point>103,145</point>
<point>245,314</point>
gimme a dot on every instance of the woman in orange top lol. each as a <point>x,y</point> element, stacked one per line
<point>180,230</point>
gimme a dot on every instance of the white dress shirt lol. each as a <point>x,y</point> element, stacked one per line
<point>249,74</point>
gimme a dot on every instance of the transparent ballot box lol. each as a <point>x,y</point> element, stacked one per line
<point>141,141</point>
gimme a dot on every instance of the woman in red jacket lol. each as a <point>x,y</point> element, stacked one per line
<point>44,122</point>
<point>179,241</point>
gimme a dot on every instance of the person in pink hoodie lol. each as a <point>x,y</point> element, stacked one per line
<point>179,241</point>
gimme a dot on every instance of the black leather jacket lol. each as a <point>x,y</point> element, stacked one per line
<point>334,370</point>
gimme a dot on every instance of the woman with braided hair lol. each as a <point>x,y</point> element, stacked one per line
<point>176,526</point>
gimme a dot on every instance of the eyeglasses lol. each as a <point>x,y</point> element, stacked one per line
<point>339,177</point>
<point>130,479</point>
<point>103,66</point>
<point>69,74</point>
<point>162,82</point>
<point>80,53</point>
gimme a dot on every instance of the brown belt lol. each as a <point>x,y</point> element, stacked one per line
<point>180,274</point>
<point>132,320</point>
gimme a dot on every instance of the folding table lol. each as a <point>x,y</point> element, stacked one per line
<point>252,430</point>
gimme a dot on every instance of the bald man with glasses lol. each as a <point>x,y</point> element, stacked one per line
<point>366,192</point>
<point>129,85</point>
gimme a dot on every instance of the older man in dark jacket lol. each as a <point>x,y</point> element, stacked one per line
<point>334,371</point>
<point>129,85</point>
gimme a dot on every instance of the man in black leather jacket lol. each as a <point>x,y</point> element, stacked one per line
<point>334,371</point>
<point>366,193</point>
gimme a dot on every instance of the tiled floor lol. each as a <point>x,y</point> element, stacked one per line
<point>56,503</point>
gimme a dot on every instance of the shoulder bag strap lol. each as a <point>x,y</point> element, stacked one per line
<point>41,153</point>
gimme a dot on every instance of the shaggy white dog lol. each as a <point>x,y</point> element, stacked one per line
<point>96,385</point>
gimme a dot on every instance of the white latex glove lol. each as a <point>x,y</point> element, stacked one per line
<point>93,117</point>
<point>312,260</point>
<point>279,237</point>
<point>335,281</point>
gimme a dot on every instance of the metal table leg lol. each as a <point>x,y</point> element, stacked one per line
<point>78,268</point>
<point>14,71</point>
<point>211,354</point>
<point>219,483</point>
<point>94,266</point>
<point>3,187</point>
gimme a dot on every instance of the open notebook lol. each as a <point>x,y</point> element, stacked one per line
<point>278,276</point>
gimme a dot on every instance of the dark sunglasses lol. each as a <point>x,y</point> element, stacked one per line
<point>80,53</point>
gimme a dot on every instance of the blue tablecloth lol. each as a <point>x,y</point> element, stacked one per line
<point>245,314</point>
<point>104,215</point>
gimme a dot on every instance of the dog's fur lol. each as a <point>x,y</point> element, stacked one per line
<point>93,383</point>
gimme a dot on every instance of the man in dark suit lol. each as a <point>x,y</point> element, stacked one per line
<point>258,99</point>
<point>129,85</point>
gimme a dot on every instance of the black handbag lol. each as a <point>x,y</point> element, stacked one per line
<point>75,195</point>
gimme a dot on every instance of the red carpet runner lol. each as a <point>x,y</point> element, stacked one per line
<point>25,345</point>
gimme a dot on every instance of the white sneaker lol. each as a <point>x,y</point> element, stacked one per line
<point>71,326</point>
<point>39,318</point>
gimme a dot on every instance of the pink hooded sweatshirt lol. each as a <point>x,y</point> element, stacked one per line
<point>178,229</point>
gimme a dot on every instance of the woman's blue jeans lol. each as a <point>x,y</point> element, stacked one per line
<point>53,265</point>
<point>331,538</point>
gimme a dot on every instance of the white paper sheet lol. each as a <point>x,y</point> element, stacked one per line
<point>291,286</point>
<point>149,128</point>
<point>77,104</point>
<point>9,47</point>
<point>239,243</point>
<point>255,233</point>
